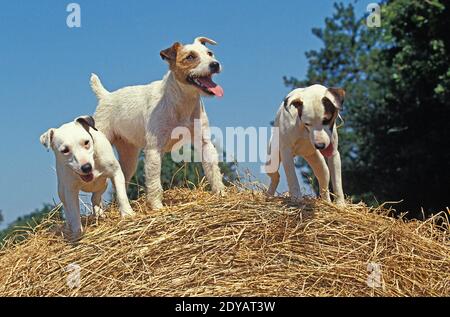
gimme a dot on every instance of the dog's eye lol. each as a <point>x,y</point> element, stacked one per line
<point>211,54</point>
<point>190,57</point>
<point>86,143</point>
<point>65,150</point>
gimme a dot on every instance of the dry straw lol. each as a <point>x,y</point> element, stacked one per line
<point>240,245</point>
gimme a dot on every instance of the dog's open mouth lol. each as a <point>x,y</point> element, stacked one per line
<point>87,178</point>
<point>328,151</point>
<point>206,84</point>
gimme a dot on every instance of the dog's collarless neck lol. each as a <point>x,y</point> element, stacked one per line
<point>184,98</point>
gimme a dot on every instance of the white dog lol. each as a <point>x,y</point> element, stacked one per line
<point>143,117</point>
<point>307,128</point>
<point>84,161</point>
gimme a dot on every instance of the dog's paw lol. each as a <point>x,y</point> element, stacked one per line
<point>269,194</point>
<point>128,213</point>
<point>99,212</point>
<point>73,235</point>
<point>221,193</point>
<point>297,199</point>
<point>156,205</point>
<point>219,190</point>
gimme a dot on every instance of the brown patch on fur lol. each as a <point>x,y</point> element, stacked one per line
<point>331,111</point>
<point>184,66</point>
<point>170,54</point>
<point>178,62</point>
<point>297,103</point>
<point>87,122</point>
<point>332,108</point>
<point>339,94</point>
<point>51,135</point>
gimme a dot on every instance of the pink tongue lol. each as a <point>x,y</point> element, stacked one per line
<point>212,86</point>
<point>328,151</point>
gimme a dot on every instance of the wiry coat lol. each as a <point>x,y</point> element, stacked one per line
<point>143,117</point>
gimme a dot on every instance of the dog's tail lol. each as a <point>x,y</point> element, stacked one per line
<point>97,87</point>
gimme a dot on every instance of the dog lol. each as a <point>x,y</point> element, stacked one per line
<point>143,117</point>
<point>307,127</point>
<point>84,161</point>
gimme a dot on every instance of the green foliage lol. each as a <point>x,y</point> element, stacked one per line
<point>20,228</point>
<point>397,77</point>
<point>1,216</point>
<point>177,175</point>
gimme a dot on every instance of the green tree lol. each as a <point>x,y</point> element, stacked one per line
<point>1,216</point>
<point>177,174</point>
<point>397,77</point>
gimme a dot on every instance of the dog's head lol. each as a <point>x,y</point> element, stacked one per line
<point>73,146</point>
<point>195,65</point>
<point>318,108</point>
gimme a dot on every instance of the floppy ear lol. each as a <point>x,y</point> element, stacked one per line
<point>87,122</point>
<point>170,54</point>
<point>203,40</point>
<point>296,102</point>
<point>336,96</point>
<point>330,106</point>
<point>47,138</point>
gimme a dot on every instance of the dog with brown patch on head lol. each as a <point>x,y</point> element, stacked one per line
<point>307,127</point>
<point>84,162</point>
<point>143,117</point>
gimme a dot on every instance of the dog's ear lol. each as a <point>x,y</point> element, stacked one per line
<point>87,122</point>
<point>170,54</point>
<point>203,40</point>
<point>47,138</point>
<point>336,96</point>
<point>333,103</point>
<point>296,102</point>
<point>330,107</point>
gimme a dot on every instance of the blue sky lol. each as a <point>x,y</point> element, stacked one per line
<point>45,68</point>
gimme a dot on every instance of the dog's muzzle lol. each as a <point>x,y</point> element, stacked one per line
<point>88,176</point>
<point>206,84</point>
<point>327,152</point>
<point>214,67</point>
<point>320,146</point>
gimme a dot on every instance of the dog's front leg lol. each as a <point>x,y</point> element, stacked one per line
<point>210,162</point>
<point>97,204</point>
<point>72,212</point>
<point>273,165</point>
<point>153,159</point>
<point>121,193</point>
<point>334,164</point>
<point>287,158</point>
<point>320,169</point>
<point>210,157</point>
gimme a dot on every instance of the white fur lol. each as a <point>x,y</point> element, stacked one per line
<point>98,152</point>
<point>297,139</point>
<point>143,117</point>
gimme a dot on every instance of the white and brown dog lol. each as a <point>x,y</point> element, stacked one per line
<point>143,117</point>
<point>307,127</point>
<point>84,161</point>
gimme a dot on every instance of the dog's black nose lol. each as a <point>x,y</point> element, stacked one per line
<point>215,67</point>
<point>320,146</point>
<point>86,168</point>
